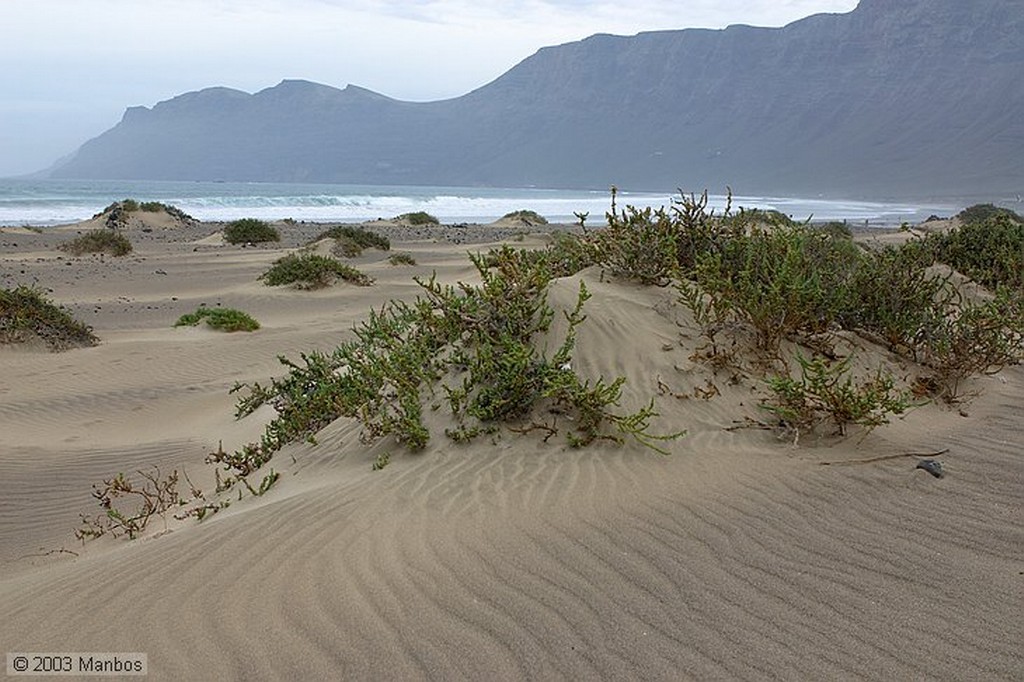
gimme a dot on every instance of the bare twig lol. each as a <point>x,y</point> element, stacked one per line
<point>882,458</point>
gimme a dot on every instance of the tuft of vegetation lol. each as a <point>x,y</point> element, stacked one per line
<point>26,313</point>
<point>827,391</point>
<point>472,346</point>
<point>837,229</point>
<point>250,231</point>
<point>418,218</point>
<point>355,238</point>
<point>526,216</point>
<point>980,213</point>
<point>98,241</point>
<point>119,211</point>
<point>222,319</point>
<point>154,496</point>
<point>401,259</point>
<point>312,271</point>
<point>988,250</point>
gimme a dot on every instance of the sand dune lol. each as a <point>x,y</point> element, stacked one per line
<point>738,556</point>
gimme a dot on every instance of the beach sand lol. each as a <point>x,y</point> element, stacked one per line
<point>737,556</point>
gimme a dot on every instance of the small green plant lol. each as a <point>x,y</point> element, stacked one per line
<point>418,218</point>
<point>401,259</point>
<point>223,319</point>
<point>26,313</point>
<point>250,231</point>
<point>383,459</point>
<point>526,216</point>
<point>269,480</point>
<point>345,247</point>
<point>360,238</point>
<point>974,338</point>
<point>155,496</point>
<point>827,391</point>
<point>989,250</point>
<point>312,271</point>
<point>98,241</point>
<point>639,244</point>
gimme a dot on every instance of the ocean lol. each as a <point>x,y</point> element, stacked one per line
<point>53,202</point>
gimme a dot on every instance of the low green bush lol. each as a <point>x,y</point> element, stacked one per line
<point>526,215</point>
<point>99,241</point>
<point>359,238</point>
<point>312,271</point>
<point>26,313</point>
<point>223,319</point>
<point>826,391</point>
<point>990,250</point>
<point>979,213</point>
<point>474,344</point>
<point>402,259</point>
<point>250,231</point>
<point>418,218</point>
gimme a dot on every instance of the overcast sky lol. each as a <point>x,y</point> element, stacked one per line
<point>71,67</point>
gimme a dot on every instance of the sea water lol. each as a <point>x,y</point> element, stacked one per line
<point>26,202</point>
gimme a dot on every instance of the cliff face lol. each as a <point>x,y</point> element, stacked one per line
<point>897,97</point>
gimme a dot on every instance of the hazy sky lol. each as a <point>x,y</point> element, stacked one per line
<point>71,67</point>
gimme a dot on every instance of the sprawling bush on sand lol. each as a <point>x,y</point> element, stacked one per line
<point>352,240</point>
<point>990,250</point>
<point>26,313</point>
<point>418,218</point>
<point>119,209</point>
<point>469,352</point>
<point>98,241</point>
<point>312,271</point>
<point>526,216</point>
<point>472,347</point>
<point>222,319</point>
<point>250,231</point>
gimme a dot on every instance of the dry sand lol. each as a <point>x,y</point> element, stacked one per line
<point>738,556</point>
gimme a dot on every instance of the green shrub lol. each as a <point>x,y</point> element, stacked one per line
<point>639,244</point>
<point>311,271</point>
<point>780,281</point>
<point>979,213</point>
<point>826,391</point>
<point>837,229</point>
<point>528,216</point>
<point>990,251</point>
<point>26,313</point>
<point>345,247</point>
<point>974,338</point>
<point>99,241</point>
<point>474,344</point>
<point>250,231</point>
<point>418,218</point>
<point>223,319</point>
<point>356,236</point>
<point>896,296</point>
<point>130,205</point>
<point>402,259</point>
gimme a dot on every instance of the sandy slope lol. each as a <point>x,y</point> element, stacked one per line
<point>737,556</point>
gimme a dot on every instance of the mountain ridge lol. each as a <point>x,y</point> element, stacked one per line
<point>893,98</point>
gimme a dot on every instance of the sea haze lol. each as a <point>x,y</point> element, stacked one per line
<point>54,202</point>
